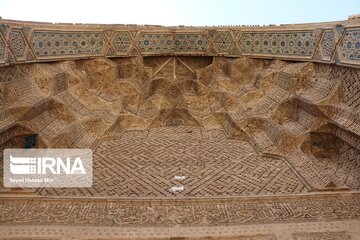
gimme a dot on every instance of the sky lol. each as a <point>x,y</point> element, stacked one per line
<point>180,12</point>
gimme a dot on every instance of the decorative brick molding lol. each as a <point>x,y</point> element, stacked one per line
<point>337,42</point>
<point>117,212</point>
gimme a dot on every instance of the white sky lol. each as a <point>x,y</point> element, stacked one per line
<point>180,12</point>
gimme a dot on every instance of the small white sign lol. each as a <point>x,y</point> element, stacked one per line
<point>179,177</point>
<point>177,188</point>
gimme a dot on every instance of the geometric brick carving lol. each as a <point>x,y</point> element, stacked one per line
<point>300,44</point>
<point>156,42</point>
<point>224,42</point>
<point>350,88</point>
<point>322,236</point>
<point>161,151</point>
<point>249,116</point>
<point>328,45</point>
<point>133,213</point>
<point>17,43</point>
<point>351,45</point>
<point>190,42</point>
<point>122,42</point>
<point>170,43</point>
<point>2,48</point>
<point>57,44</point>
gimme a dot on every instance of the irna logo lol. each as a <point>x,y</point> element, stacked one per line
<point>46,165</point>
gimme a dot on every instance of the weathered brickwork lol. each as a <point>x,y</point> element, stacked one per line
<point>2,48</point>
<point>322,236</point>
<point>161,150</point>
<point>194,135</point>
<point>189,213</point>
